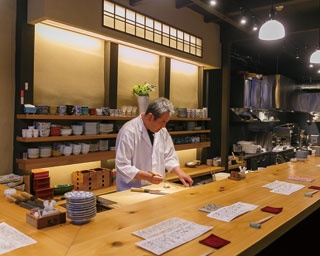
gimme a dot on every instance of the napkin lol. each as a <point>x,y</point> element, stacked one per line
<point>214,241</point>
<point>270,209</point>
<point>314,187</point>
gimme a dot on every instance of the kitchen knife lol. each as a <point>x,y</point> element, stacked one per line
<point>150,191</point>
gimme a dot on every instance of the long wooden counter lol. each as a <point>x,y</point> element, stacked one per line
<point>110,232</point>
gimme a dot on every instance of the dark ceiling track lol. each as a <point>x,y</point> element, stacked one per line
<point>219,15</point>
<point>134,2</point>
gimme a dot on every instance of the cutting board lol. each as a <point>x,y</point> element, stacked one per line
<point>127,197</point>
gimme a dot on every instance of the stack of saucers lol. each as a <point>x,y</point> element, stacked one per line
<point>81,206</point>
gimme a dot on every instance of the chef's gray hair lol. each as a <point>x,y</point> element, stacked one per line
<point>160,106</point>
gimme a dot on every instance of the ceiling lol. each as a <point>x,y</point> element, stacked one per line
<point>301,19</point>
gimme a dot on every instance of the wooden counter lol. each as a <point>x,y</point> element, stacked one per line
<point>110,232</point>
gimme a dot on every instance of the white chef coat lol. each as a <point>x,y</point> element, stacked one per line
<point>135,152</point>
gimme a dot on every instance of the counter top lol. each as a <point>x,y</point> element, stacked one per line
<point>110,232</point>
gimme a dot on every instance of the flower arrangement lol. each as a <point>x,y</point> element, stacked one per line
<point>143,89</point>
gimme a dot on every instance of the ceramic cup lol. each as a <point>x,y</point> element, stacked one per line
<point>35,133</point>
<point>61,110</point>
<point>210,161</point>
<point>99,111</point>
<point>70,109</point>
<point>77,110</point>
<point>92,111</point>
<point>24,133</point>
<point>105,111</point>
<point>85,110</point>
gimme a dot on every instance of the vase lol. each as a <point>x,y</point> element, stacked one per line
<point>143,102</point>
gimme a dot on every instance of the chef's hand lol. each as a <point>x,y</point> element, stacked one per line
<point>152,177</point>
<point>185,179</point>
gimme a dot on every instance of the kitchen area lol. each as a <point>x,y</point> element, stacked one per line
<point>271,121</point>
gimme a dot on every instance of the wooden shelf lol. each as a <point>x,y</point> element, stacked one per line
<point>37,163</point>
<point>192,145</point>
<point>72,117</point>
<point>68,138</point>
<point>29,164</point>
<point>94,118</point>
<point>188,132</point>
<point>92,137</point>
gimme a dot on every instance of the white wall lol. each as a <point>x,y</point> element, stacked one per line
<point>7,83</point>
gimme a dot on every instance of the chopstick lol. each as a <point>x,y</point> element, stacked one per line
<point>207,253</point>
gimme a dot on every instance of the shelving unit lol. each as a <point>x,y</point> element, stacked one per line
<point>29,164</point>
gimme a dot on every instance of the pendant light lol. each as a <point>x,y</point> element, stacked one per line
<point>315,57</point>
<point>271,29</point>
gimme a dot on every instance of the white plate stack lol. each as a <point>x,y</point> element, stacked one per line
<point>81,206</point>
<point>91,128</point>
<point>103,145</point>
<point>105,128</point>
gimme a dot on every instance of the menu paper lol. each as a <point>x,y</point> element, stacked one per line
<point>169,234</point>
<point>228,213</point>
<point>281,187</point>
<point>11,238</point>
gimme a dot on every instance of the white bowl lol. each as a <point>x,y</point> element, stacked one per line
<point>66,131</point>
<point>33,151</point>
<point>85,148</point>
<point>77,129</point>
<point>67,150</point>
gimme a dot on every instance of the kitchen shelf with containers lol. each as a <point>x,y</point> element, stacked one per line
<point>187,133</point>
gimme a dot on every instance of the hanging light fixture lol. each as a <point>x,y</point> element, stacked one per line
<point>315,57</point>
<point>271,29</point>
<point>255,26</point>
<point>243,19</point>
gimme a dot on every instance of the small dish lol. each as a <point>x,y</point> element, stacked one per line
<point>191,164</point>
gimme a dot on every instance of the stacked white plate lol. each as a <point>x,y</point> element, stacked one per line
<point>81,206</point>
<point>105,128</point>
<point>45,151</point>
<point>90,128</point>
<point>103,145</point>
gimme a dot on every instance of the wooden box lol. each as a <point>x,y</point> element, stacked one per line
<point>45,193</point>
<point>103,177</point>
<point>91,179</point>
<point>46,221</point>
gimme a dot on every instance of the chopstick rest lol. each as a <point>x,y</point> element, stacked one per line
<point>257,224</point>
<point>270,209</point>
<point>214,241</point>
<point>310,194</point>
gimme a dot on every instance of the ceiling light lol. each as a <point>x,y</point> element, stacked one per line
<point>213,2</point>
<point>243,19</point>
<point>255,26</point>
<point>315,57</point>
<point>271,29</point>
